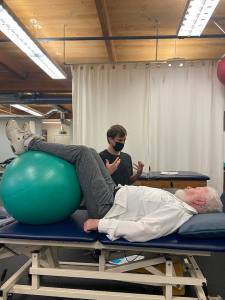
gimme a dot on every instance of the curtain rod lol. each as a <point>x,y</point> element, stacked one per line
<point>153,62</point>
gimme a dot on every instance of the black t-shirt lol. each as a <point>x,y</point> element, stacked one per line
<point>125,170</point>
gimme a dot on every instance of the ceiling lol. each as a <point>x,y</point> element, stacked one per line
<point>64,28</point>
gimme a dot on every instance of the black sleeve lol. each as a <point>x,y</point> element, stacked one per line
<point>103,157</point>
<point>131,166</point>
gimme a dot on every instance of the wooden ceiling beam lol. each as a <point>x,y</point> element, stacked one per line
<point>5,110</point>
<point>10,64</point>
<point>106,27</point>
<point>34,82</point>
<point>9,110</point>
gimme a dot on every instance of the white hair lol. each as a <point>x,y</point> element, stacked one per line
<point>213,203</point>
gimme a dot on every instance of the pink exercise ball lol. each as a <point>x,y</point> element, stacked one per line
<point>221,70</point>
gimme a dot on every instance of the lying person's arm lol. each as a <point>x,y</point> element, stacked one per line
<point>145,229</point>
<point>132,231</point>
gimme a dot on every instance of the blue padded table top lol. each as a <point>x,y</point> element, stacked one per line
<point>68,230</point>
<point>172,241</point>
<point>182,175</point>
<point>72,230</point>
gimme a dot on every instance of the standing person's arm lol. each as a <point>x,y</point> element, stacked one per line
<point>111,167</point>
<point>139,169</point>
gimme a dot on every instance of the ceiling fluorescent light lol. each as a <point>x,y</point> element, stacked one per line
<point>12,28</point>
<point>196,17</point>
<point>51,122</point>
<point>26,109</point>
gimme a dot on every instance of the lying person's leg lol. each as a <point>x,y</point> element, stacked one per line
<point>98,194</point>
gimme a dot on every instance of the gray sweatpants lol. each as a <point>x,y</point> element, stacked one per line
<point>96,183</point>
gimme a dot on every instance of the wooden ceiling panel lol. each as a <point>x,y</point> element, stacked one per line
<point>200,49</point>
<point>9,110</point>
<point>187,50</point>
<point>57,18</point>
<point>131,17</point>
<point>67,106</point>
<point>16,54</point>
<point>35,82</point>
<point>83,18</point>
<point>74,52</point>
<point>85,51</point>
<point>169,49</point>
<point>5,110</point>
<point>50,18</point>
<point>62,52</point>
<point>41,108</point>
<point>135,50</point>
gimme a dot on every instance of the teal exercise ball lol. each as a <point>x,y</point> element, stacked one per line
<point>39,188</point>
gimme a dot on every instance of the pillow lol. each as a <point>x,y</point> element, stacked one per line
<point>210,225</point>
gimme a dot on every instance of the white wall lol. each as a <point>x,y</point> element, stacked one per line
<point>5,149</point>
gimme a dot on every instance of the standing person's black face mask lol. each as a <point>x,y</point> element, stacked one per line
<point>118,146</point>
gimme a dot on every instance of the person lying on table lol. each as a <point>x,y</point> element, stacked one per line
<point>136,213</point>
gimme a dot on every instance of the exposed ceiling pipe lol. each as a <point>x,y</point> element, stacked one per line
<point>60,109</point>
<point>57,109</point>
<point>121,38</point>
<point>18,99</point>
<point>50,113</point>
<point>135,37</point>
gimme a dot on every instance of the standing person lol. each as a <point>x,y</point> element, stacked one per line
<point>136,213</point>
<point>118,163</point>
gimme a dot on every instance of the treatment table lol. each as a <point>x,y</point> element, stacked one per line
<point>40,244</point>
<point>176,180</point>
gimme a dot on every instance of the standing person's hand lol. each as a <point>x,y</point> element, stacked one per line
<point>138,167</point>
<point>113,166</point>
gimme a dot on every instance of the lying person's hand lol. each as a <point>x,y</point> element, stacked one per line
<point>91,224</point>
<point>113,166</point>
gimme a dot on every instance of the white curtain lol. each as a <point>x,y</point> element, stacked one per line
<point>173,115</point>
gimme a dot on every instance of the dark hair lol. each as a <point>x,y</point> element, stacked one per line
<point>116,130</point>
